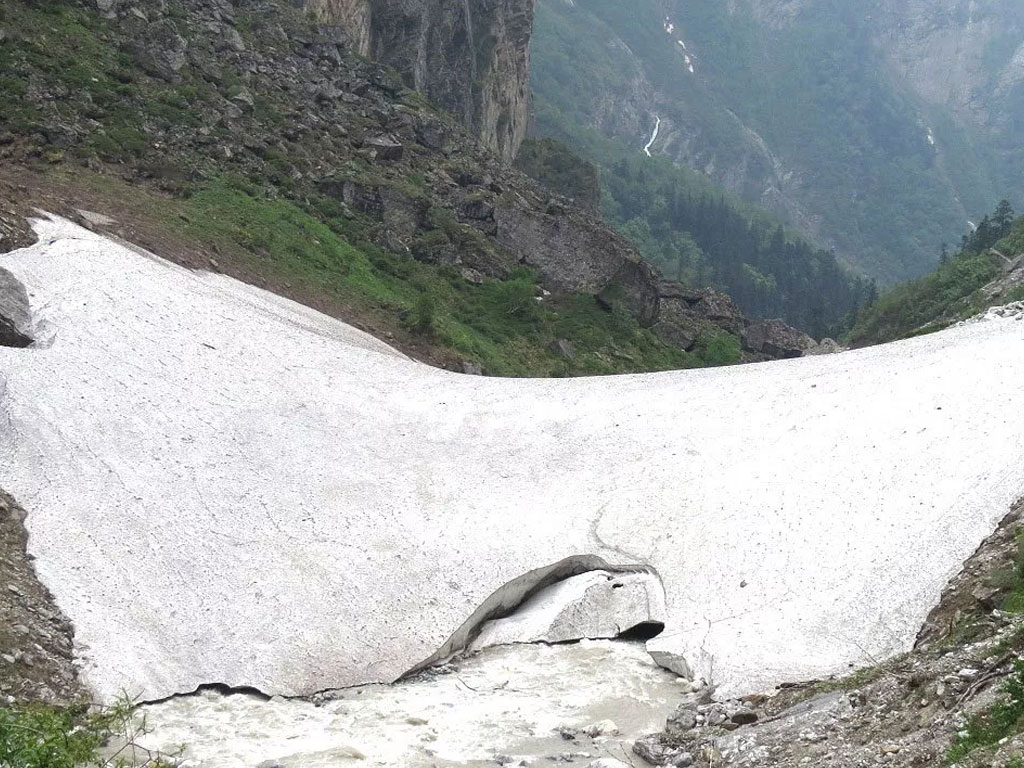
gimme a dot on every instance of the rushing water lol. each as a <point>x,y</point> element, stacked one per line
<point>509,701</point>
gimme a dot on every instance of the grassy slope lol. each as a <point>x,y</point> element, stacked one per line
<point>952,292</point>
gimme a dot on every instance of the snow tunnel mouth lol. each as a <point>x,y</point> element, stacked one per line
<point>578,598</point>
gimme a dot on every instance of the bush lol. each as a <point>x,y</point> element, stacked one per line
<point>38,736</point>
<point>722,349</point>
<point>424,314</point>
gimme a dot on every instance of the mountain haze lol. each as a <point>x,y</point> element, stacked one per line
<point>878,129</point>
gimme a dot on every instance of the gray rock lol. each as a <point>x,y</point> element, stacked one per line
<point>563,348</point>
<point>108,7</point>
<point>15,312</point>
<point>681,721</point>
<point>233,39</point>
<point>721,310</point>
<point>271,764</point>
<point>824,347</point>
<point>385,148</point>
<point>573,255</point>
<point>667,659</point>
<point>654,750</point>
<point>161,51</point>
<point>244,100</point>
<point>776,339</point>
<point>471,368</point>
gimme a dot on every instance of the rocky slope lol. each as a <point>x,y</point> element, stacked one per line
<point>219,124</point>
<point>878,129</point>
<point>471,58</point>
<point>35,637</point>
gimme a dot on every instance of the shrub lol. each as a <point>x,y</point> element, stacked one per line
<point>424,314</point>
<point>1004,718</point>
<point>39,736</point>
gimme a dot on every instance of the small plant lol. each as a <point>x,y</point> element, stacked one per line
<point>1003,719</point>
<point>39,736</point>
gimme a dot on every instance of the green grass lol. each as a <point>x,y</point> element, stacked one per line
<point>912,306</point>
<point>499,324</point>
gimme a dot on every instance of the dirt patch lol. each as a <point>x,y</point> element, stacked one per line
<point>80,197</point>
<point>35,638</point>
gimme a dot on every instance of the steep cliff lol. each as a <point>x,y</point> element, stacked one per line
<point>472,58</point>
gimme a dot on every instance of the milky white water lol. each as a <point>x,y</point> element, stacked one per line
<point>654,136</point>
<point>510,701</point>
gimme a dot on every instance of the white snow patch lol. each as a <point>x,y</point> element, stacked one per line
<point>931,137</point>
<point>224,486</point>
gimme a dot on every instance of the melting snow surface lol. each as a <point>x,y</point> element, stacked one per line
<point>226,487</point>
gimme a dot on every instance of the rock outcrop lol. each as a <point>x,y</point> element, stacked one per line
<point>471,58</point>
<point>35,637</point>
<point>15,313</point>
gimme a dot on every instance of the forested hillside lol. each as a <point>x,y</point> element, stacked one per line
<point>877,129</point>
<point>986,270</point>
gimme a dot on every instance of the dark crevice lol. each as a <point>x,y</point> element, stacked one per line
<point>644,631</point>
<point>221,688</point>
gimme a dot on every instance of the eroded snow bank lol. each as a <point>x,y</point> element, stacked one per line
<point>225,487</point>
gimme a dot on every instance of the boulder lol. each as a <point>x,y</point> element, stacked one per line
<point>679,324</point>
<point>825,347</point>
<point>574,255</point>
<point>15,313</point>
<point>721,310</point>
<point>563,348</point>
<point>776,339</point>
<point>403,214</point>
<point>161,51</point>
<point>385,148</point>
<point>655,751</point>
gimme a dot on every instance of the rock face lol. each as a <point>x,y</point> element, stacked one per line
<point>572,258</point>
<point>685,315</point>
<point>472,58</point>
<point>15,313</point>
